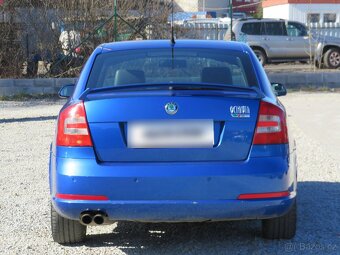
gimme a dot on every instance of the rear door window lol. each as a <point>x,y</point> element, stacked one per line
<point>275,28</point>
<point>254,28</point>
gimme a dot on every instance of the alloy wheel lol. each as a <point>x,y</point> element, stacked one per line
<point>334,58</point>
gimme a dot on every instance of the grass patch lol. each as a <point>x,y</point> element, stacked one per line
<point>313,89</point>
<point>25,97</point>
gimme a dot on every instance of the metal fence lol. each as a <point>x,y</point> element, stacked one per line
<point>322,32</point>
<point>214,30</point>
<point>37,50</point>
<point>206,31</point>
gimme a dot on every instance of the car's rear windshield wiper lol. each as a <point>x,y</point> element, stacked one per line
<point>172,87</point>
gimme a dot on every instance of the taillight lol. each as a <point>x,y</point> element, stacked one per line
<point>73,128</point>
<point>271,125</point>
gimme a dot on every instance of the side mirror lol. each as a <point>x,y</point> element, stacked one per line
<point>66,91</point>
<point>279,89</point>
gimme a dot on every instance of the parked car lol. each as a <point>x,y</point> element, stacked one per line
<point>276,40</point>
<point>239,15</point>
<point>236,15</point>
<point>189,131</point>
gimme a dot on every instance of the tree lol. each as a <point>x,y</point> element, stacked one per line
<point>259,11</point>
<point>35,27</point>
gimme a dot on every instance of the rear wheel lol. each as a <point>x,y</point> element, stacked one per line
<point>65,231</point>
<point>261,56</point>
<point>283,227</point>
<point>332,58</point>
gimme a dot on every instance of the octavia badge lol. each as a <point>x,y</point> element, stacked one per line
<point>171,108</point>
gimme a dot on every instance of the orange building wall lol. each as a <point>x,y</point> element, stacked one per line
<point>268,3</point>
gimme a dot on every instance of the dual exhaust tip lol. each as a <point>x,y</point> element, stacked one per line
<point>88,218</point>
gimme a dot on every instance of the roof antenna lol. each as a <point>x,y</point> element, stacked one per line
<point>172,23</point>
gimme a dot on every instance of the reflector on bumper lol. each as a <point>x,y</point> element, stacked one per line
<point>263,195</point>
<point>81,197</point>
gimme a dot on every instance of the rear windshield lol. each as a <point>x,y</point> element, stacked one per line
<point>178,66</point>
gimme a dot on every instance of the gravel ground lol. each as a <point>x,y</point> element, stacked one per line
<point>26,130</point>
<point>295,67</point>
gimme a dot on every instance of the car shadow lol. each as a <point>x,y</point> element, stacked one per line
<point>318,231</point>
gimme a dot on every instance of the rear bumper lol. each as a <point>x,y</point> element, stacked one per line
<point>178,210</point>
<point>174,192</point>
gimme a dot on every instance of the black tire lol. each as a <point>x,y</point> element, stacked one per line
<point>332,58</point>
<point>261,56</point>
<point>283,227</point>
<point>65,231</point>
<point>317,64</point>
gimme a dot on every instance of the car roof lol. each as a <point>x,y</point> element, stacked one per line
<point>265,20</point>
<point>245,20</point>
<point>162,44</point>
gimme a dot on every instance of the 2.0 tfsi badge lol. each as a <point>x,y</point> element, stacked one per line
<point>240,111</point>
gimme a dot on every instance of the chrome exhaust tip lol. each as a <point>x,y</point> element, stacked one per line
<point>86,219</point>
<point>98,219</point>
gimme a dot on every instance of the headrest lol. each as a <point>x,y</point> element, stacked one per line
<point>219,75</point>
<point>125,77</point>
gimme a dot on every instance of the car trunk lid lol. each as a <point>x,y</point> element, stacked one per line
<point>229,119</point>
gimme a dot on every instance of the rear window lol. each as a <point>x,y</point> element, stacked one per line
<point>252,28</point>
<point>178,66</point>
<point>275,28</point>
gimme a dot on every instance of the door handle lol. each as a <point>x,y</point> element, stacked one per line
<point>265,39</point>
<point>289,39</point>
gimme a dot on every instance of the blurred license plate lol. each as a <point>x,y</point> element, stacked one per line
<point>171,134</point>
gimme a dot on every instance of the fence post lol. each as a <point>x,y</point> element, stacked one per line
<point>115,13</point>
<point>231,19</point>
<point>27,47</point>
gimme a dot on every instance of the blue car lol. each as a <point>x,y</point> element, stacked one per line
<point>160,131</point>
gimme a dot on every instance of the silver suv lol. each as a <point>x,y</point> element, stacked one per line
<point>276,40</point>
